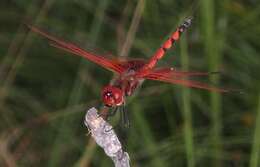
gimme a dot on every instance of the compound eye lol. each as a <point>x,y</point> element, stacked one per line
<point>108,95</point>
<point>112,96</point>
<point>108,98</point>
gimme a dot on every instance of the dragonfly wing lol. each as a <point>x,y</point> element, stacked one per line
<point>173,73</point>
<point>111,65</point>
<point>180,78</point>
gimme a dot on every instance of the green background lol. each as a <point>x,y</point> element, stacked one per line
<point>44,92</point>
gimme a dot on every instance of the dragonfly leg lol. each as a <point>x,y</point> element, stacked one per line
<point>123,120</point>
<point>105,113</point>
<point>113,112</point>
<point>125,124</point>
<point>109,114</point>
<point>124,117</point>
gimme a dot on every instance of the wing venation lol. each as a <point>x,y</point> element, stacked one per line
<point>169,75</point>
<point>111,65</point>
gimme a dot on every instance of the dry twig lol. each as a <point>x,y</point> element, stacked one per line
<point>105,137</point>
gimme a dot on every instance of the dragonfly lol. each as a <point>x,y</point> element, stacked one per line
<point>131,73</point>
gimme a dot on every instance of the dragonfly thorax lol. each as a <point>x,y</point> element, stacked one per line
<point>112,96</point>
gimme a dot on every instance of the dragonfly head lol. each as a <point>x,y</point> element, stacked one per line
<point>112,96</point>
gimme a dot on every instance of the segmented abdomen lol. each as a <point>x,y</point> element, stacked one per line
<point>167,44</point>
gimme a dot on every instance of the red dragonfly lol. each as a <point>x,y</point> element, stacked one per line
<point>131,73</point>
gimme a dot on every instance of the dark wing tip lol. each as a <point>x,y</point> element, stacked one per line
<point>28,24</point>
<point>235,91</point>
<point>215,72</point>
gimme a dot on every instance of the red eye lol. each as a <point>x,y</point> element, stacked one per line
<point>112,96</point>
<point>108,95</point>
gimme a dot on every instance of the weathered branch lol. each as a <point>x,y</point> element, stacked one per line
<point>105,137</point>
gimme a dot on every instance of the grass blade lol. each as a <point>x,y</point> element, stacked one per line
<point>255,152</point>
<point>213,54</point>
<point>187,115</point>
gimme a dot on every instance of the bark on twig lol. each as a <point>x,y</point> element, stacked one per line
<point>105,137</point>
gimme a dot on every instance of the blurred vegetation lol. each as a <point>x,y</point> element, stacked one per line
<point>44,92</point>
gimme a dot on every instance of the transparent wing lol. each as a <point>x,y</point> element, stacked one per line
<point>171,72</point>
<point>181,78</point>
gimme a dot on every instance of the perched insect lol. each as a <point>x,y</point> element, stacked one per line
<point>131,73</point>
